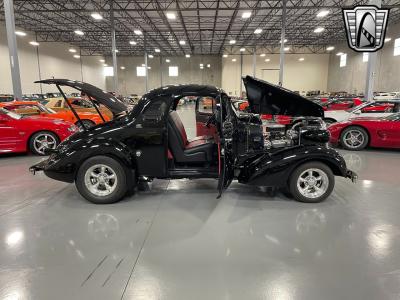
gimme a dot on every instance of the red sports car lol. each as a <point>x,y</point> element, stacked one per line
<point>21,133</point>
<point>341,103</point>
<point>358,133</point>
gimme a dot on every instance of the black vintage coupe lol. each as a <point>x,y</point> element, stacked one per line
<point>108,161</point>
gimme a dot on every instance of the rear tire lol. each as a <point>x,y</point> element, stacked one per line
<point>102,180</point>
<point>311,182</point>
<point>43,140</point>
<point>86,123</point>
<point>354,138</point>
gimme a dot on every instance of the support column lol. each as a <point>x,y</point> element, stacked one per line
<point>12,48</point>
<point>161,71</point>
<point>372,57</point>
<point>282,50</point>
<point>80,62</point>
<point>241,74</point>
<point>114,48</point>
<point>39,70</point>
<point>145,62</point>
<point>254,62</point>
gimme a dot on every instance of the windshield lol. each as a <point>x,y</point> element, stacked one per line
<point>45,109</point>
<point>10,114</point>
<point>358,107</point>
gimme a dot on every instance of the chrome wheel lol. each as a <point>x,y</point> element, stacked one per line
<point>313,183</point>
<point>44,141</point>
<point>101,180</point>
<point>353,139</point>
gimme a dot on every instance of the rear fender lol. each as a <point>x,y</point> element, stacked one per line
<point>275,169</point>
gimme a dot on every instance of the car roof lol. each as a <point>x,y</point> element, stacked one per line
<point>184,90</point>
<point>19,103</point>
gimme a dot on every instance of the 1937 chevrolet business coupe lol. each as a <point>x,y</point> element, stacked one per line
<point>108,160</point>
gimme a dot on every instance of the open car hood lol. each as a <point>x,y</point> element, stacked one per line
<point>267,98</point>
<point>115,105</point>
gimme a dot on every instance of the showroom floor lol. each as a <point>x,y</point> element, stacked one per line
<point>177,241</point>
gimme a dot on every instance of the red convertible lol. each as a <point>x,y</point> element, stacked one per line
<point>21,133</point>
<point>358,133</point>
<point>341,103</point>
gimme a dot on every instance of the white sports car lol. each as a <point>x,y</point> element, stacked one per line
<point>379,108</point>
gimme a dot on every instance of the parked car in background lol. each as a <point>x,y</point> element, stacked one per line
<point>30,108</point>
<point>387,96</point>
<point>359,133</point>
<point>79,104</point>
<point>341,103</point>
<point>6,98</point>
<point>379,108</point>
<point>280,119</point>
<point>31,133</point>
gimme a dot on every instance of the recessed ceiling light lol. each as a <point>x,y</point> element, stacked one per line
<point>286,48</point>
<point>138,32</point>
<point>267,60</point>
<point>262,55</point>
<point>167,60</point>
<point>97,16</point>
<point>208,66</point>
<point>79,32</point>
<point>232,42</point>
<point>102,60</point>
<point>258,31</point>
<point>171,15</point>
<point>149,68</point>
<point>187,55</point>
<point>285,40</point>
<point>77,56</point>
<point>72,50</point>
<point>122,68</point>
<point>233,59</point>
<point>388,39</point>
<point>201,65</point>
<point>246,14</point>
<point>242,49</point>
<point>301,59</point>
<point>339,53</point>
<point>105,65</point>
<point>33,43</point>
<point>157,50</point>
<point>151,56</point>
<point>330,48</point>
<point>225,55</point>
<point>20,33</point>
<point>133,43</point>
<point>319,29</point>
<point>322,13</point>
<point>182,42</point>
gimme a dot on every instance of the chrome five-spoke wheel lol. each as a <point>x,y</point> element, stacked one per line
<point>101,180</point>
<point>354,138</point>
<point>41,141</point>
<point>313,183</point>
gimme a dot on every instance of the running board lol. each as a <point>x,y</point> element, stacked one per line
<point>193,173</point>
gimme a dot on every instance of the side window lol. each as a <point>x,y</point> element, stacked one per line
<point>154,113</point>
<point>58,103</point>
<point>382,107</point>
<point>206,104</point>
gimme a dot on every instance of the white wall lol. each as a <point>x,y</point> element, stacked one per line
<point>352,77</point>
<point>310,74</point>
<point>55,60</point>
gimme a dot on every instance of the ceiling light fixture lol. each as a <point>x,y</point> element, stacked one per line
<point>339,53</point>
<point>167,60</point>
<point>242,49</point>
<point>79,32</point>
<point>157,50</point>
<point>182,42</point>
<point>319,29</point>
<point>262,55</point>
<point>20,33</point>
<point>322,13</point>
<point>133,43</point>
<point>267,60</point>
<point>330,48</point>
<point>33,43</point>
<point>72,50</point>
<point>233,59</point>
<point>105,65</point>
<point>97,16</point>
<point>232,42</point>
<point>102,60</point>
<point>258,31</point>
<point>301,59</point>
<point>246,14</point>
<point>151,55</point>
<point>225,55</point>
<point>187,55</point>
<point>285,40</point>
<point>138,32</point>
<point>77,56</point>
<point>388,39</point>
<point>170,15</point>
<point>122,68</point>
<point>208,66</point>
<point>286,48</point>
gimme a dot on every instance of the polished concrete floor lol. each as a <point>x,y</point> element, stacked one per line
<point>177,241</point>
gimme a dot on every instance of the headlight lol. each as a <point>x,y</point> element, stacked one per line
<point>73,128</point>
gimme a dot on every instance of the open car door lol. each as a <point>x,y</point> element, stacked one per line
<point>205,109</point>
<point>225,125</point>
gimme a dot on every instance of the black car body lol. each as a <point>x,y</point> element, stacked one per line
<point>150,142</point>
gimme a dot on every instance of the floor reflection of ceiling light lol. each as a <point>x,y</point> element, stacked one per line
<point>380,239</point>
<point>14,238</point>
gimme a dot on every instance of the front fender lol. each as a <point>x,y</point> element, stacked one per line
<point>64,163</point>
<point>274,169</point>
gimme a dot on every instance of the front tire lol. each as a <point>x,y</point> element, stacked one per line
<point>311,182</point>
<point>354,138</point>
<point>43,140</point>
<point>86,123</point>
<point>101,180</point>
